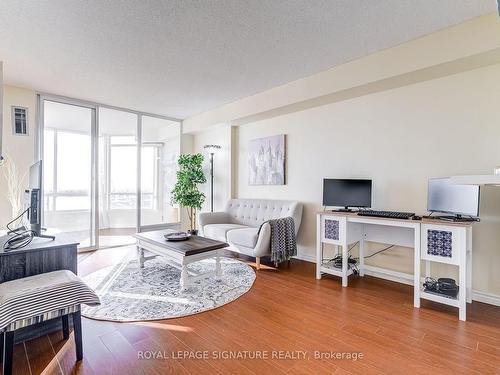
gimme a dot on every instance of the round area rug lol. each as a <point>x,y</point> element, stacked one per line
<point>129,293</point>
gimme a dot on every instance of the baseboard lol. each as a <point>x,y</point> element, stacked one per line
<point>489,298</point>
<point>307,258</point>
<point>399,277</point>
<point>381,273</point>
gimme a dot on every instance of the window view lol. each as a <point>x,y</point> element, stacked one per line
<point>67,171</point>
<point>122,189</point>
<point>67,176</point>
<point>117,177</point>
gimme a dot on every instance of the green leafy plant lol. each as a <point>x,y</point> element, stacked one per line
<point>186,192</point>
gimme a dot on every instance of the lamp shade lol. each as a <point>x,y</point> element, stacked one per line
<point>211,149</point>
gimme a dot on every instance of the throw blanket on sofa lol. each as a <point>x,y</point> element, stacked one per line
<point>283,241</point>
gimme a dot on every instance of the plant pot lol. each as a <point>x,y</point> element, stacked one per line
<point>193,232</point>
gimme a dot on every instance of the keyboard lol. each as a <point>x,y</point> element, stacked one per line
<point>387,214</point>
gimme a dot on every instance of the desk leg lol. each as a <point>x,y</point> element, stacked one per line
<point>416,269</point>
<point>362,256</point>
<point>345,264</point>
<point>469,277</point>
<point>462,291</point>
<point>319,248</point>
<point>469,264</point>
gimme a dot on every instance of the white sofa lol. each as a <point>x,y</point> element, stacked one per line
<point>239,224</point>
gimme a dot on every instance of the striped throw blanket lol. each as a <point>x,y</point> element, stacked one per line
<point>283,241</point>
<point>41,297</point>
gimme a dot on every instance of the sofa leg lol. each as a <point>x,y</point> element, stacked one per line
<point>257,263</point>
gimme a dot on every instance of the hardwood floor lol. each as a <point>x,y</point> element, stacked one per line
<point>286,310</point>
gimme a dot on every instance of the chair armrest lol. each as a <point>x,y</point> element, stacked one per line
<point>206,218</point>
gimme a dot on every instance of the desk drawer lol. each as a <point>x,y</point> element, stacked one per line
<point>442,243</point>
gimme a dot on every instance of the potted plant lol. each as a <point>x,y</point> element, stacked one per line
<point>186,192</point>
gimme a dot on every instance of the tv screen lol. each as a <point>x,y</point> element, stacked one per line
<point>347,192</point>
<point>443,196</point>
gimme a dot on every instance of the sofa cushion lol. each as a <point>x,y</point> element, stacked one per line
<point>219,231</point>
<point>243,237</point>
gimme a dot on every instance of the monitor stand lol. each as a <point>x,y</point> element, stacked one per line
<point>37,229</point>
<point>345,209</point>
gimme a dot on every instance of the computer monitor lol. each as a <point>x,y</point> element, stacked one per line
<point>347,193</point>
<point>445,197</point>
<point>35,187</point>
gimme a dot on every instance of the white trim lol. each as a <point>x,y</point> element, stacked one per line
<point>95,105</point>
<point>403,278</point>
<point>305,257</point>
<point>383,273</point>
<point>489,298</point>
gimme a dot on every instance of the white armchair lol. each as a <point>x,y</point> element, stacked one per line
<point>241,220</point>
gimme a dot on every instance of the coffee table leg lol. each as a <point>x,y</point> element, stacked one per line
<point>140,251</point>
<point>184,277</point>
<point>218,269</point>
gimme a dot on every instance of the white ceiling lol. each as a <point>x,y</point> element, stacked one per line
<point>182,57</point>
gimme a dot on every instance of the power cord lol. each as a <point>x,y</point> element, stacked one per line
<point>338,254</point>
<point>21,238</point>
<point>352,262</point>
<point>16,219</point>
<point>378,252</point>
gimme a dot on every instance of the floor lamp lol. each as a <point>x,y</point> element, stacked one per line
<point>211,149</point>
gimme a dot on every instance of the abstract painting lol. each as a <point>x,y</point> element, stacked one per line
<point>266,161</point>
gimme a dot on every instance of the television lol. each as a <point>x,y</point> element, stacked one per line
<point>35,187</point>
<point>458,200</point>
<point>347,193</point>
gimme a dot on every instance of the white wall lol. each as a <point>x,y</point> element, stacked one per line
<point>21,149</point>
<point>425,108</point>
<point>399,138</point>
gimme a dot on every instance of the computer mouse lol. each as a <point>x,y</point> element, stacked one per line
<point>415,217</point>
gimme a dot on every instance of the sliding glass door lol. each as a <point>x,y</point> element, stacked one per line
<point>108,172</point>
<point>68,175</point>
<point>160,148</point>
<point>117,177</point>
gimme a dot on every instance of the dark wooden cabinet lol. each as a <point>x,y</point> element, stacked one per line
<point>40,256</point>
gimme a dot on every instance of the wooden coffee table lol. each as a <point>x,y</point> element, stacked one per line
<point>181,253</point>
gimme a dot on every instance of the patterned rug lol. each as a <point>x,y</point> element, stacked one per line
<point>129,293</point>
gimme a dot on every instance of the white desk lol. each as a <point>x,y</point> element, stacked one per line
<point>432,241</point>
